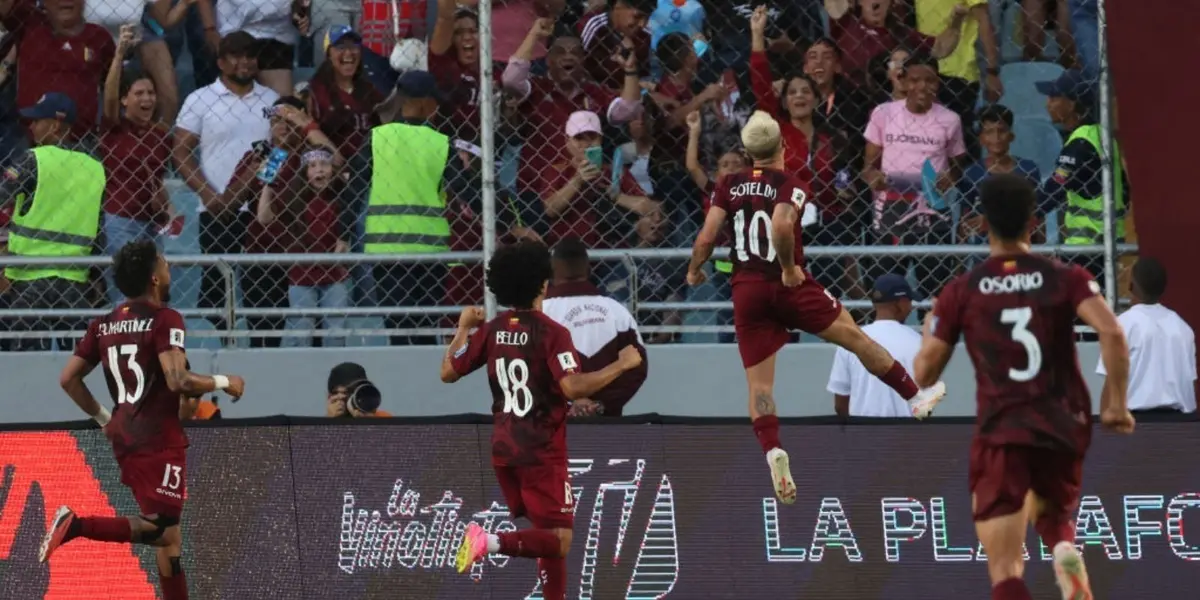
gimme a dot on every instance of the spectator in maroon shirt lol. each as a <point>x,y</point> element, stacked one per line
<point>134,147</point>
<point>454,61</point>
<point>58,51</point>
<point>578,195</point>
<point>547,102</point>
<point>874,29</point>
<point>604,34</point>
<point>341,98</point>
<point>311,221</point>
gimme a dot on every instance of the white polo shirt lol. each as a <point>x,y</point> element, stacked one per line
<point>1162,358</point>
<point>870,397</point>
<point>227,125</point>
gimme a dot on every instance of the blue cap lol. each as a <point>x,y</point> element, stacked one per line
<point>52,106</point>
<point>418,84</point>
<point>1072,85</point>
<point>339,33</point>
<point>890,288</point>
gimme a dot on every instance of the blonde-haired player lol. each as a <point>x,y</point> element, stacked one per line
<point>773,295</point>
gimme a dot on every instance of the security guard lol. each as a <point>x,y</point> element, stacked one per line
<point>400,173</point>
<point>57,195</point>
<point>1077,184</point>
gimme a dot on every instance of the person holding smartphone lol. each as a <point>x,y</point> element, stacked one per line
<point>578,196</point>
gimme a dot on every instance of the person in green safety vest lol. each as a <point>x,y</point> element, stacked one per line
<point>1077,185</point>
<point>56,195</point>
<point>397,183</point>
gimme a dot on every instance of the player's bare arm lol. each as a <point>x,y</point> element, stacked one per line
<point>931,361</point>
<point>783,236</point>
<point>705,242</point>
<point>471,317</point>
<point>72,383</point>
<point>1114,352</point>
<point>576,386</point>
<point>182,381</point>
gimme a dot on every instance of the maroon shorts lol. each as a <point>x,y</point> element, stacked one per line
<point>1002,475</point>
<point>764,312</point>
<point>158,480</point>
<point>541,493</point>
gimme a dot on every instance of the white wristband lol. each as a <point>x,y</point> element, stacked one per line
<point>220,382</point>
<point>102,417</point>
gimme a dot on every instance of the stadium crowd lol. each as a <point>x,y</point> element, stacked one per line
<point>613,122</point>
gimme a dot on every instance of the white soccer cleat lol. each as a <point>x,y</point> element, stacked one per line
<point>57,533</point>
<point>781,475</point>
<point>923,403</point>
<point>1070,572</point>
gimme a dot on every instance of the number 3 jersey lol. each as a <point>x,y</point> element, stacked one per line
<point>526,354</point>
<point>126,343</point>
<point>1018,317</point>
<point>749,198</point>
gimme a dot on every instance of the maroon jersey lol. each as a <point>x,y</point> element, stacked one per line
<point>749,197</point>
<point>126,343</point>
<point>1017,314</point>
<point>526,355</point>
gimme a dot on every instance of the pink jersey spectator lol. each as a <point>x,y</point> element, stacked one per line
<point>908,138</point>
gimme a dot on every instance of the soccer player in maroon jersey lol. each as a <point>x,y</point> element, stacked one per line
<point>772,294</point>
<point>533,372</point>
<point>1017,313</point>
<point>141,347</point>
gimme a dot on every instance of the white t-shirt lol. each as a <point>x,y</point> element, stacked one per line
<point>112,14</point>
<point>1162,358</point>
<point>263,19</point>
<point>227,125</point>
<point>870,397</point>
<point>594,321</point>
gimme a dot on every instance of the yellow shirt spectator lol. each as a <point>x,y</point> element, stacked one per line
<point>933,16</point>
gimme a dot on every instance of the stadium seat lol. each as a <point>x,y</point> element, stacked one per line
<point>1037,140</point>
<point>207,342</point>
<point>1020,95</point>
<point>303,74</point>
<point>366,340</point>
<point>1006,16</point>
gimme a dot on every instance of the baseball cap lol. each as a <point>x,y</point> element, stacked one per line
<point>345,374</point>
<point>238,43</point>
<point>339,33</point>
<point>419,84</point>
<point>1072,85</point>
<point>890,288</point>
<point>583,121</point>
<point>53,105</point>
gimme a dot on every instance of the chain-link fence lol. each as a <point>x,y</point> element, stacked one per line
<point>257,143</point>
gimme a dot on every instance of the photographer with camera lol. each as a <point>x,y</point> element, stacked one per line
<point>351,395</point>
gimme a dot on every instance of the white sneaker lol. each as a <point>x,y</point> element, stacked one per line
<point>923,403</point>
<point>781,475</point>
<point>1070,572</point>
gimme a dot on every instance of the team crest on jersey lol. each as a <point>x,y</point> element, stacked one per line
<point>757,173</point>
<point>1010,265</point>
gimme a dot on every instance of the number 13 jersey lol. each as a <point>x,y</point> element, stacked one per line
<point>126,343</point>
<point>1017,314</point>
<point>526,354</point>
<point>749,198</point>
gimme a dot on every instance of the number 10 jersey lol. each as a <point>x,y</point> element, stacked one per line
<point>126,343</point>
<point>749,197</point>
<point>526,354</point>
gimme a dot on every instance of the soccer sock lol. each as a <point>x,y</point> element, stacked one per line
<point>529,543</point>
<point>1054,530</point>
<point>766,429</point>
<point>173,587</point>
<point>553,572</point>
<point>897,378</point>
<point>101,529</point>
<point>1012,588</point>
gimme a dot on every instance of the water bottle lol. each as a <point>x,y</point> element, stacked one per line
<point>270,168</point>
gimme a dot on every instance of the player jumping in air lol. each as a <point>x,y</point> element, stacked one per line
<point>140,344</point>
<point>772,294</point>
<point>1017,312</point>
<point>533,371</point>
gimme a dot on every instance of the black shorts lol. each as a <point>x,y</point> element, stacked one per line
<point>274,55</point>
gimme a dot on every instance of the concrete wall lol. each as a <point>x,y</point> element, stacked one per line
<point>685,380</point>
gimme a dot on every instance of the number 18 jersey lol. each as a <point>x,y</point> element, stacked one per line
<point>1017,314</point>
<point>526,354</point>
<point>749,197</point>
<point>126,343</point>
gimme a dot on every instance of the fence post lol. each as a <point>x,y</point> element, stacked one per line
<point>487,130</point>
<point>1108,171</point>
